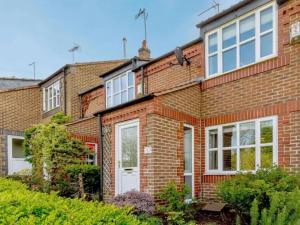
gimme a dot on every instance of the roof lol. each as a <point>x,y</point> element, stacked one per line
<point>14,82</point>
<point>169,53</point>
<point>126,104</point>
<point>77,64</point>
<point>126,63</point>
<point>19,88</point>
<point>230,10</point>
<point>82,92</point>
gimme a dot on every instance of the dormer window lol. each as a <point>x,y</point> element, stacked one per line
<point>51,96</point>
<point>247,40</point>
<point>120,89</point>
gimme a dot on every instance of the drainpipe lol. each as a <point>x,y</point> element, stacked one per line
<point>101,194</point>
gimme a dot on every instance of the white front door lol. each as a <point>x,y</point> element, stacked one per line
<point>16,158</point>
<point>127,157</point>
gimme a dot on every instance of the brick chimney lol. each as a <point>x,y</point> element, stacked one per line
<point>144,51</point>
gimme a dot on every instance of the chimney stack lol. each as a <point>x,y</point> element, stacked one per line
<point>144,51</point>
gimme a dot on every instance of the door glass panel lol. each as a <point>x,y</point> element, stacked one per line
<point>247,159</point>
<point>188,181</point>
<point>188,150</point>
<point>129,147</point>
<point>17,148</point>
<point>229,160</point>
<point>247,133</point>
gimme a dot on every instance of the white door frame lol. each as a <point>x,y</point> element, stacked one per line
<point>193,163</point>
<point>9,151</point>
<point>118,126</point>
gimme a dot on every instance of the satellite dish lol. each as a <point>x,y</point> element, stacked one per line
<point>181,57</point>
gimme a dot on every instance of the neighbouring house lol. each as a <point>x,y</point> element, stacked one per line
<point>14,82</point>
<point>233,106</point>
<point>225,103</point>
<point>25,103</point>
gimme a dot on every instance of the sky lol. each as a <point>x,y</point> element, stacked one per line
<point>43,31</point>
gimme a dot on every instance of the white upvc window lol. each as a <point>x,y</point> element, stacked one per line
<point>241,147</point>
<point>244,41</point>
<point>51,96</point>
<point>120,89</point>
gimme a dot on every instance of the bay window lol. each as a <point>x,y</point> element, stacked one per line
<point>51,96</point>
<point>120,89</point>
<point>243,146</point>
<point>242,42</point>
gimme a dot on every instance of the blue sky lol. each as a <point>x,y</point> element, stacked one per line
<point>44,30</point>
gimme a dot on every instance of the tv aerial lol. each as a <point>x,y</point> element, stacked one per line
<point>72,50</point>
<point>144,14</point>
<point>215,5</point>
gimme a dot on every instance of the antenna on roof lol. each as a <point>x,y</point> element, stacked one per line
<point>142,12</point>
<point>33,65</point>
<point>124,47</point>
<point>75,48</point>
<point>215,5</point>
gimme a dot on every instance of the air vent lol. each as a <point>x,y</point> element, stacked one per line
<point>295,32</point>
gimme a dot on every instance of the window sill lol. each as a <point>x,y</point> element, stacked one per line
<point>207,77</point>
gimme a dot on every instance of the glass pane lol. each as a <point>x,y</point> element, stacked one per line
<point>247,28</point>
<point>266,44</point>
<point>90,159</point>
<point>247,159</point>
<point>212,43</point>
<point>213,160</point>
<point>17,148</point>
<point>117,99</point>
<point>229,60</point>
<point>266,157</point>
<point>50,104</point>
<point>129,147</point>
<point>130,78</point>
<point>229,136</point>
<point>189,183</point>
<point>266,19</point>
<point>266,132</point>
<point>130,94</point>
<point>108,88</point>
<point>124,82</point>
<point>247,133</point>
<point>109,103</point>
<point>54,101</point>
<point>247,53</point>
<point>124,96</point>
<point>213,64</point>
<point>213,138</point>
<point>188,150</point>
<point>229,36</point>
<point>50,92</point>
<point>116,85</point>
<point>229,160</point>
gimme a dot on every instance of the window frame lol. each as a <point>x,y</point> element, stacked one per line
<point>111,81</point>
<point>256,38</point>
<point>55,91</point>
<point>257,145</point>
<point>87,160</point>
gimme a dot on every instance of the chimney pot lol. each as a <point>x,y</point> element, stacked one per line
<point>144,51</point>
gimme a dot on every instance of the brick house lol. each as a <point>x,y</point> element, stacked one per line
<point>26,102</point>
<point>233,105</point>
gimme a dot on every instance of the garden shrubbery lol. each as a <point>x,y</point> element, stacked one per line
<point>21,206</point>
<point>250,194</point>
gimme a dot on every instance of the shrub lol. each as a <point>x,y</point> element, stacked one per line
<point>20,206</point>
<point>284,210</point>
<point>141,202</point>
<point>241,190</point>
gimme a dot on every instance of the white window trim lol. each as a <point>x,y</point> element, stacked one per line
<point>120,92</point>
<point>258,59</point>
<point>96,152</point>
<point>193,163</point>
<point>257,145</point>
<point>56,95</point>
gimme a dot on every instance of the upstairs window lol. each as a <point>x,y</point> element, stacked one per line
<point>120,89</point>
<point>244,41</point>
<point>51,96</point>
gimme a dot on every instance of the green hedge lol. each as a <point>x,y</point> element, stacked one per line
<point>21,206</point>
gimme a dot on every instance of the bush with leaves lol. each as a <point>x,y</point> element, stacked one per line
<point>142,203</point>
<point>241,190</point>
<point>50,148</point>
<point>284,209</point>
<point>19,206</point>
